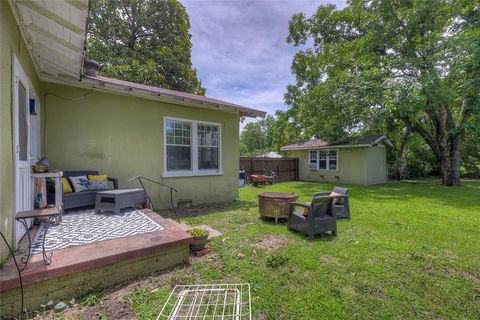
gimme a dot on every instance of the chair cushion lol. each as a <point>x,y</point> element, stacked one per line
<point>67,188</point>
<point>79,183</point>
<point>305,210</point>
<point>338,201</point>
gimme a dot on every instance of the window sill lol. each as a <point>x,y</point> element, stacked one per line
<point>173,174</point>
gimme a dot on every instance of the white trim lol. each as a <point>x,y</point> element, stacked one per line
<point>23,191</point>
<point>194,150</point>
<point>327,159</point>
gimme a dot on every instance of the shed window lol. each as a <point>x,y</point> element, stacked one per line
<point>323,160</point>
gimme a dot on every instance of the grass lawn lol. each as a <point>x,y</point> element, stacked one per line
<point>411,250</point>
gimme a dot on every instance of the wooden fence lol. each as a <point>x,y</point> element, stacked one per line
<point>286,168</point>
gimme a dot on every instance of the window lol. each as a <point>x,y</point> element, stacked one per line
<point>313,160</point>
<point>192,148</point>
<point>208,146</point>
<point>323,160</point>
<point>179,148</point>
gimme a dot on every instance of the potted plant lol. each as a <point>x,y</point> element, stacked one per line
<point>200,238</point>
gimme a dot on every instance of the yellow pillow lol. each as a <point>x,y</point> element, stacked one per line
<point>98,177</point>
<point>67,188</point>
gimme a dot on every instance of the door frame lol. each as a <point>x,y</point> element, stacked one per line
<point>18,74</point>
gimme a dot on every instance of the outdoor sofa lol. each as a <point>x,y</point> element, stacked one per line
<point>77,199</point>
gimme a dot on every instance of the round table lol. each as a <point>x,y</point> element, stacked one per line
<point>275,204</point>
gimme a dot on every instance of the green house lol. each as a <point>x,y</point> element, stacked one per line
<point>49,107</point>
<point>361,161</point>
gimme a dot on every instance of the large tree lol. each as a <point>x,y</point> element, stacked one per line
<point>414,63</point>
<point>145,41</point>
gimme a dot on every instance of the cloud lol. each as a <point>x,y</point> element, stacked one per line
<point>239,48</point>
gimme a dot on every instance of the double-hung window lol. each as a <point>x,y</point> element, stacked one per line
<point>323,160</point>
<point>192,148</point>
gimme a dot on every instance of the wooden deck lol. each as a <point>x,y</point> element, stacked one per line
<point>77,270</point>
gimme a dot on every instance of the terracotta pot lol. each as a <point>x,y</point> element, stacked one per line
<point>198,243</point>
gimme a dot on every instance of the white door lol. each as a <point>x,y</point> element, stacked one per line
<point>21,145</point>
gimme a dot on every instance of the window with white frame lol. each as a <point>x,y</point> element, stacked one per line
<point>179,147</point>
<point>208,146</point>
<point>313,160</point>
<point>192,147</point>
<point>323,160</point>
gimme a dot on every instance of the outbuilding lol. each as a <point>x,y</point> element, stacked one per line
<point>361,161</point>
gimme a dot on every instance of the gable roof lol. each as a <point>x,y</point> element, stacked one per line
<point>167,95</point>
<point>348,142</point>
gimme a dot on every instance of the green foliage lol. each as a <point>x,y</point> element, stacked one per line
<point>276,260</point>
<point>268,134</point>
<point>91,300</point>
<point>379,63</point>
<point>198,232</point>
<point>144,41</point>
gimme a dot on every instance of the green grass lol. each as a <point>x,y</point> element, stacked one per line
<point>411,250</point>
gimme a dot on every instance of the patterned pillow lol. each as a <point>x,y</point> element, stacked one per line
<point>79,183</point>
<point>98,184</point>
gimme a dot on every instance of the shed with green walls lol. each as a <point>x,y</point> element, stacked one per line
<point>360,161</point>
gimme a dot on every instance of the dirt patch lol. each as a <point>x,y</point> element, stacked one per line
<point>272,243</point>
<point>329,260</point>
<point>115,302</point>
<point>471,277</point>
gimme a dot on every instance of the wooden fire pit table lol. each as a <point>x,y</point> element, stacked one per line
<point>275,204</point>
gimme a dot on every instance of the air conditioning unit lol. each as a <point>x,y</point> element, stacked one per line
<point>312,166</point>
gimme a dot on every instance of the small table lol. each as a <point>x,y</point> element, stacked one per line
<point>48,215</point>
<point>275,204</point>
<point>117,199</point>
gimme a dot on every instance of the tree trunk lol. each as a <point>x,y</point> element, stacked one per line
<point>450,164</point>
<point>401,161</point>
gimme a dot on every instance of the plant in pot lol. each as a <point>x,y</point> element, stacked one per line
<point>200,238</point>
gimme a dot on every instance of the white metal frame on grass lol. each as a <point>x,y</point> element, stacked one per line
<point>208,301</point>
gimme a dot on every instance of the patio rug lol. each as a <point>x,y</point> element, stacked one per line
<point>84,227</point>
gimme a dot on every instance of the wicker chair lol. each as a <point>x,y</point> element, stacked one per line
<point>320,217</point>
<point>341,207</point>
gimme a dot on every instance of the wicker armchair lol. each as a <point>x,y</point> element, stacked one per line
<point>341,206</point>
<point>315,218</point>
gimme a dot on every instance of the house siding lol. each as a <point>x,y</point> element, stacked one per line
<point>11,43</point>
<point>377,165</point>
<point>123,136</point>
<point>360,166</point>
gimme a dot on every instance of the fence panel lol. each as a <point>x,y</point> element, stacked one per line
<point>285,168</point>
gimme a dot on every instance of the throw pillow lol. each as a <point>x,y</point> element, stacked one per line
<point>97,184</point>
<point>305,210</point>
<point>98,177</point>
<point>79,183</point>
<point>67,188</point>
<point>337,201</point>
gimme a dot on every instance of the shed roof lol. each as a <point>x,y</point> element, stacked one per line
<point>365,141</point>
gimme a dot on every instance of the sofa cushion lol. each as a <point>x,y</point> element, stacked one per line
<point>97,177</point>
<point>97,184</point>
<point>79,183</point>
<point>67,188</point>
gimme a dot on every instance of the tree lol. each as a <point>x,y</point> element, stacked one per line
<point>144,41</point>
<point>414,63</point>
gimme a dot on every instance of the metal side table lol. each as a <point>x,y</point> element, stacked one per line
<point>48,215</point>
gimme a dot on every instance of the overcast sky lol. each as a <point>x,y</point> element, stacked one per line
<point>239,48</point>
